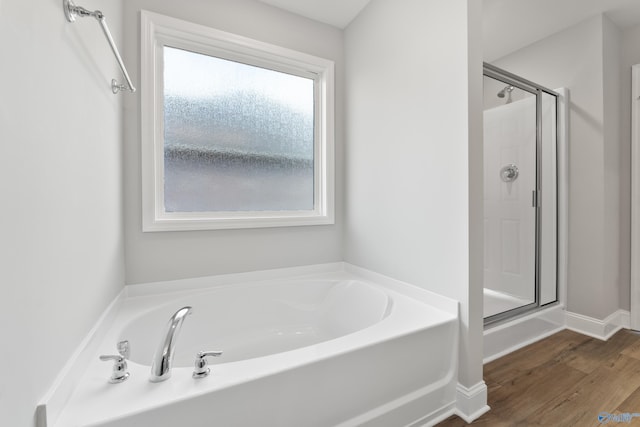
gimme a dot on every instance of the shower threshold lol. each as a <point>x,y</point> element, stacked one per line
<point>496,302</point>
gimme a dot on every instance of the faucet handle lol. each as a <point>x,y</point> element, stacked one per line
<point>119,373</point>
<point>200,369</point>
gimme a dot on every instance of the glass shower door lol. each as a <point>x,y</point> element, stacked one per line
<point>510,190</point>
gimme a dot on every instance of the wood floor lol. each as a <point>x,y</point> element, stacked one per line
<point>567,379</point>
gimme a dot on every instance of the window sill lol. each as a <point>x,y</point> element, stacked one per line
<point>227,221</point>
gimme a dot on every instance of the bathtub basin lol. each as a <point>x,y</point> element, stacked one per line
<point>254,321</point>
<point>330,350</point>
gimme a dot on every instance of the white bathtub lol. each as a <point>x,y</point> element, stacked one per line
<point>330,350</point>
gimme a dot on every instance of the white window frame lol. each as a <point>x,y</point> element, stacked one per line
<point>158,31</point>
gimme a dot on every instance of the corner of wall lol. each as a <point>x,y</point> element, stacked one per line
<point>52,403</point>
<point>596,328</point>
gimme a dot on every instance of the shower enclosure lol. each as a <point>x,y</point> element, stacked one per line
<point>520,195</point>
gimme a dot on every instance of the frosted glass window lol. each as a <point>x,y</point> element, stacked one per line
<point>235,132</point>
<point>236,137</point>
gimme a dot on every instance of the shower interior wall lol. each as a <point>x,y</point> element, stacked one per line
<point>510,138</point>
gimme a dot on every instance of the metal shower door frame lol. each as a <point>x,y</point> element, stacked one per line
<point>536,90</point>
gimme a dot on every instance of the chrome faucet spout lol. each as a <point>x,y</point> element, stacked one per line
<point>161,363</point>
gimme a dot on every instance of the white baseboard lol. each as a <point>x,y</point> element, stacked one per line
<point>504,339</point>
<point>55,399</point>
<point>471,403</point>
<point>596,328</point>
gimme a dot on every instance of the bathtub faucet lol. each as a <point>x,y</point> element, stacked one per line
<point>161,363</point>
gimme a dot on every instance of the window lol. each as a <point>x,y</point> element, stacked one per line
<point>236,133</point>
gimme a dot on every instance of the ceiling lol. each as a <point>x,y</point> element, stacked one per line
<point>333,12</point>
<point>508,24</point>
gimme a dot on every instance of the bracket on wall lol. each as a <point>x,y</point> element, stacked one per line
<point>71,11</point>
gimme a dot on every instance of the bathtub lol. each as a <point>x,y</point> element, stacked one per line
<point>332,349</point>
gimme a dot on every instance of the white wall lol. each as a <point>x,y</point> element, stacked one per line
<point>414,152</point>
<point>60,180</point>
<point>173,255</point>
<point>617,251</point>
<point>630,55</point>
<point>579,58</point>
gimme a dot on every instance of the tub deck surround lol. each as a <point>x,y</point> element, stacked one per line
<point>326,349</point>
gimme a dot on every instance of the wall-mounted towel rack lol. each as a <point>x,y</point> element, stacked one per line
<point>71,11</point>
